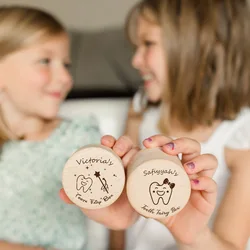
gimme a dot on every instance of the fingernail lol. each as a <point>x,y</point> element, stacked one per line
<point>170,145</point>
<point>149,139</point>
<point>190,165</point>
<point>196,182</point>
<point>106,140</point>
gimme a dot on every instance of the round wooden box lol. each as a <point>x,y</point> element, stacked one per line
<point>157,184</point>
<point>93,177</point>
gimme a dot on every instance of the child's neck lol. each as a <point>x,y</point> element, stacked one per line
<point>25,127</point>
<point>33,129</point>
<point>39,131</point>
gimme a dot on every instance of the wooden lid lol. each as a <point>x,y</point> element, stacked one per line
<point>157,187</point>
<point>93,177</point>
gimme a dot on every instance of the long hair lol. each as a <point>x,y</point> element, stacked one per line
<point>207,46</point>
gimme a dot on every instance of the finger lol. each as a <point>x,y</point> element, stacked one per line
<point>156,141</point>
<point>123,145</point>
<point>130,155</point>
<point>189,148</point>
<point>64,196</point>
<point>208,189</point>
<point>108,141</point>
<point>203,165</point>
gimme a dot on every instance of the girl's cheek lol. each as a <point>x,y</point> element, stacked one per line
<point>45,77</point>
<point>70,86</point>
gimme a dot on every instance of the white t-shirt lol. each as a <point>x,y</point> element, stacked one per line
<point>148,234</point>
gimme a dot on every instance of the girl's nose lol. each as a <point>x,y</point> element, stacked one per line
<point>65,76</point>
<point>137,60</point>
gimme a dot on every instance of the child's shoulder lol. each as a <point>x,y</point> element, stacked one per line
<point>245,112</point>
<point>240,136</point>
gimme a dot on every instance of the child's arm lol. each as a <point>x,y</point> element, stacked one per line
<point>208,240</point>
<point>10,246</point>
<point>133,124</point>
<point>232,225</point>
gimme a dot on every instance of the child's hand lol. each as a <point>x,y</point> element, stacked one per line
<point>193,218</point>
<point>120,214</point>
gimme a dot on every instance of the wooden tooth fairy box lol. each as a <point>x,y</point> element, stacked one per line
<point>93,177</point>
<point>157,184</point>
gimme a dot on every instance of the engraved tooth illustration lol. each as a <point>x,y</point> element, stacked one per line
<point>84,183</point>
<point>161,192</point>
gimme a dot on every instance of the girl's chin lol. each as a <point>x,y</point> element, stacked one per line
<point>153,98</point>
<point>146,84</point>
<point>50,115</point>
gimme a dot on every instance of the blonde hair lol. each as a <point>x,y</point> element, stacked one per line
<point>207,46</point>
<point>21,27</point>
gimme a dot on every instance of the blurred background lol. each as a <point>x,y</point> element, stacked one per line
<point>101,54</point>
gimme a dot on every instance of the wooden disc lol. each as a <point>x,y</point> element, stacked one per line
<point>157,185</point>
<point>93,177</point>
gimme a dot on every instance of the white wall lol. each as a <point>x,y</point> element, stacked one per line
<point>83,14</point>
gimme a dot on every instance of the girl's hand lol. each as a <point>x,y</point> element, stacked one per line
<point>193,218</point>
<point>120,214</point>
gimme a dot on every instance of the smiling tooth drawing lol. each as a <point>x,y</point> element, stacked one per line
<point>84,183</point>
<point>161,192</point>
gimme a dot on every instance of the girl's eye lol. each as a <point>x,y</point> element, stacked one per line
<point>45,61</point>
<point>148,43</point>
<point>67,65</point>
